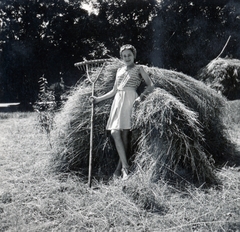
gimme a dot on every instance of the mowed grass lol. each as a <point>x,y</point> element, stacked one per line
<point>34,198</point>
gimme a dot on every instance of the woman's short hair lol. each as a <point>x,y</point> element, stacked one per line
<point>128,47</point>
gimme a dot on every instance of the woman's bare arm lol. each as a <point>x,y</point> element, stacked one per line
<point>148,81</point>
<point>107,95</point>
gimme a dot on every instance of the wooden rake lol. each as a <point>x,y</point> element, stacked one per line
<point>87,66</point>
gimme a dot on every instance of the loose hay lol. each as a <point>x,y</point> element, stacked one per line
<point>223,75</point>
<point>177,129</point>
<point>72,131</point>
<point>170,139</point>
<point>206,102</point>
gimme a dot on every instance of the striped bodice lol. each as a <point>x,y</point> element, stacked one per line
<point>129,78</point>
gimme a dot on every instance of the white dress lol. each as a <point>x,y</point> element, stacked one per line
<point>121,110</point>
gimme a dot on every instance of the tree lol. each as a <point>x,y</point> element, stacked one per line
<point>38,37</point>
<point>46,37</point>
<point>190,33</point>
<point>127,21</point>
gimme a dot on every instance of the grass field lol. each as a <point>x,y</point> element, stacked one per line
<point>33,198</point>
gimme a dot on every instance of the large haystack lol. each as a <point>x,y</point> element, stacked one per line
<point>222,75</point>
<point>177,129</point>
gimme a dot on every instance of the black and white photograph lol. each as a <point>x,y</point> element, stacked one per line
<point>119,115</point>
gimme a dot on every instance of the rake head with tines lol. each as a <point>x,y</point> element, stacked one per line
<point>90,63</point>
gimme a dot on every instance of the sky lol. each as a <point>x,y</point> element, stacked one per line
<point>89,6</point>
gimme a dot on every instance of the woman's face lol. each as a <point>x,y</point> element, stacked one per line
<point>128,57</point>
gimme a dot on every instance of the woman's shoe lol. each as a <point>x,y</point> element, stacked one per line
<point>117,173</point>
<point>125,173</point>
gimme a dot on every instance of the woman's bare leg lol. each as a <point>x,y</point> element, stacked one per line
<point>118,169</point>
<point>120,146</point>
<point>125,138</point>
<point>124,135</point>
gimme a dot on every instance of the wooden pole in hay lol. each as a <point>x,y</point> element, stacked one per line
<point>87,65</point>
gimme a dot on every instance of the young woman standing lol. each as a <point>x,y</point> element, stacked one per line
<point>128,79</point>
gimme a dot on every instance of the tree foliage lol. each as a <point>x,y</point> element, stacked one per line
<point>191,33</point>
<point>46,37</point>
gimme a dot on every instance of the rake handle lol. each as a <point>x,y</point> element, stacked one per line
<point>91,141</point>
<point>86,64</point>
<point>91,127</point>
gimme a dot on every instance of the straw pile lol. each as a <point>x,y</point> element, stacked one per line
<point>222,75</point>
<point>170,139</point>
<point>177,129</point>
<point>72,129</point>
